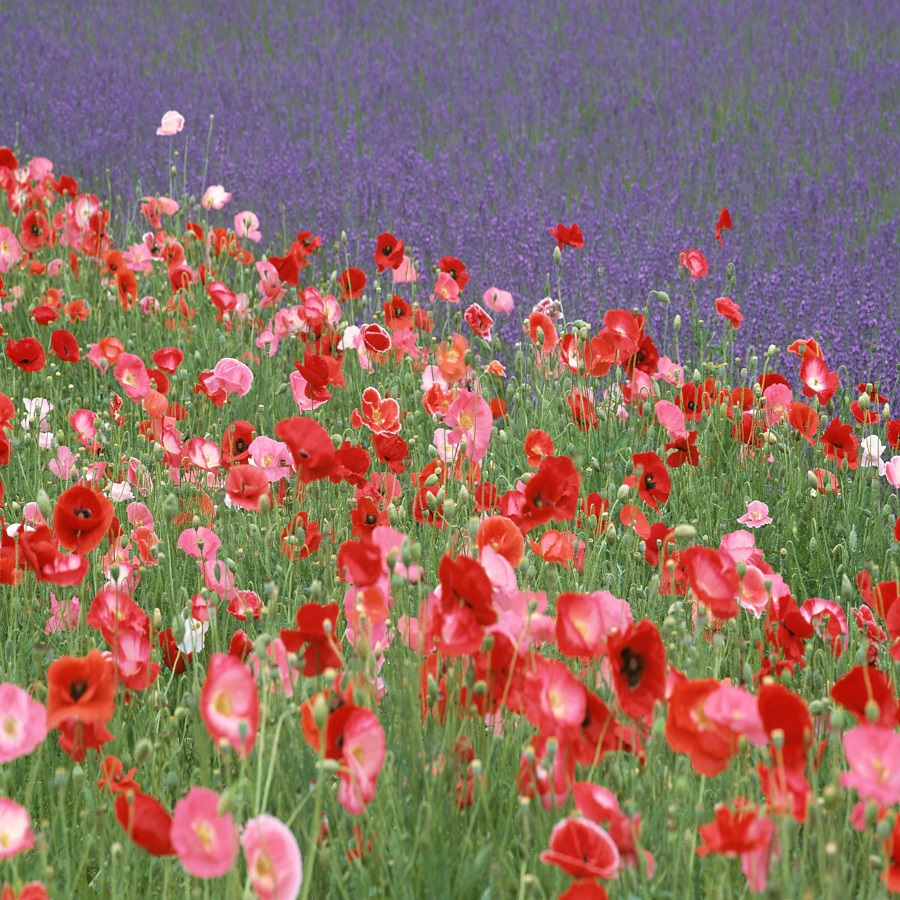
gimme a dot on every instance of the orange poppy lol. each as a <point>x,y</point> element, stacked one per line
<point>81,688</point>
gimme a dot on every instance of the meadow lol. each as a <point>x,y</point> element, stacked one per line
<point>460,473</point>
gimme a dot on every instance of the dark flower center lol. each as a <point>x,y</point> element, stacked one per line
<point>387,250</point>
<point>632,667</point>
<point>77,690</point>
<point>82,513</point>
<point>240,445</point>
<point>649,481</point>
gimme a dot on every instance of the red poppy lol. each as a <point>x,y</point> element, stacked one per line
<point>538,446</point>
<point>146,822</point>
<point>316,629</point>
<point>359,563</point>
<point>479,321</point>
<point>804,419</point>
<point>236,442</point>
<point>168,359</point>
<point>864,689</point>
<point>551,493</point>
<point>39,550</point>
<point>713,577</point>
<point>568,236</point>
<point>114,777</point>
<point>651,477</point>
<point>839,443</point>
<point>81,518</point>
<point>352,283</point>
<point>891,875</point>
<point>728,309</point>
<point>709,745</point>
<point>388,251</point>
<point>638,661</point>
<point>695,263</point>
<point>501,535</point>
<point>375,338</point>
<point>788,723</point>
<point>582,849</point>
<point>392,450</point>
<point>82,689</point>
<point>398,314</point>
<point>456,269</point>
<point>247,487</point>
<point>311,447</point>
<point>64,345</point>
<point>818,380</point>
<point>722,223</point>
<point>27,354</point>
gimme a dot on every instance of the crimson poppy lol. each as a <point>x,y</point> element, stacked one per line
<point>392,450</point>
<point>785,712</point>
<point>551,493</point>
<point>864,688</point>
<point>722,223</point>
<point>80,688</point>
<point>388,251</point>
<point>145,822</point>
<point>64,345</point>
<point>311,447</point>
<point>315,629</point>
<point>651,477</point>
<point>638,660</point>
<point>27,354</point>
<point>352,283</point>
<point>568,236</point>
<point>456,269</point>
<point>81,518</point>
<point>839,443</point>
<point>582,849</point>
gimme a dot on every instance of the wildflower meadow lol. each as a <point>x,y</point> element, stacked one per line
<point>338,562</point>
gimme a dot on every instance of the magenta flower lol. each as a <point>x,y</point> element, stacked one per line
<point>16,835</point>
<point>205,841</point>
<point>23,723</point>
<point>172,123</point>
<point>756,516</point>
<point>273,858</point>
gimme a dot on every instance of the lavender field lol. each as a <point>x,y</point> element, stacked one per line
<point>470,129</point>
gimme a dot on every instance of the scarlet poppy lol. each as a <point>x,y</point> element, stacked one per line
<point>316,630</point>
<point>722,223</point>
<point>398,314</point>
<point>456,269</point>
<point>688,730</point>
<point>81,518</point>
<point>728,309</point>
<point>479,321</point>
<point>64,345</point>
<point>582,849</point>
<point>247,486</point>
<point>311,447</point>
<point>27,354</point>
<point>168,359</point>
<point>236,442</point>
<point>392,450</point>
<point>712,575</point>
<point>388,251</point>
<point>864,688</point>
<point>784,711</point>
<point>551,493</point>
<point>145,822</point>
<point>651,477</point>
<point>839,444</point>
<point>501,534</point>
<point>352,283</point>
<point>638,660</point>
<point>568,236</point>
<point>82,689</point>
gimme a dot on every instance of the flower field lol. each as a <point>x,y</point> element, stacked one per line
<point>401,553</point>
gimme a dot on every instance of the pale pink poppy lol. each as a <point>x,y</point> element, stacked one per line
<point>753,595</point>
<point>363,751</point>
<point>63,467</point>
<point>218,577</point>
<point>671,418</point>
<point>272,456</point>
<point>273,858</point>
<point>756,516</point>
<point>446,288</point>
<point>172,123</point>
<point>779,400</point>
<point>497,300</point>
<point>205,841</point>
<point>892,471</point>
<point>201,543</point>
<point>204,454</point>
<point>246,224</point>
<point>229,703</point>
<point>23,723</point>
<point>669,371</point>
<point>63,616</point>
<point>741,547</point>
<point>16,835</point>
<point>271,288</point>
<point>131,373</point>
<point>233,376</point>
<point>10,249</point>
<point>473,420</point>
<point>736,709</point>
<point>405,273</point>
<point>215,197</point>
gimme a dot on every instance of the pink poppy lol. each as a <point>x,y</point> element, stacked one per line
<point>498,301</point>
<point>229,703</point>
<point>446,288</point>
<point>273,457</point>
<point>756,516</point>
<point>471,415</point>
<point>16,835</point>
<point>246,224</point>
<point>172,123</point>
<point>131,373</point>
<point>23,723</point>
<point>695,262</point>
<point>205,841</point>
<point>873,754</point>
<point>215,197</point>
<point>273,858</point>
<point>63,616</point>
<point>362,750</point>
<point>405,273</point>
<point>201,543</point>
<point>10,249</point>
<point>232,376</point>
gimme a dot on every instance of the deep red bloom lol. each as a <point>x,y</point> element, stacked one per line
<point>638,662</point>
<point>568,236</point>
<point>316,629</point>
<point>784,713</point>
<point>651,477</point>
<point>391,449</point>
<point>722,223</point>
<point>456,269</point>
<point>82,689</point>
<point>64,345</point>
<point>146,822</point>
<point>311,447</point>
<point>388,251</point>
<point>236,442</point>
<point>27,354</point>
<point>352,283</point>
<point>81,518</point>
<point>864,688</point>
<point>839,443</point>
<point>551,493</point>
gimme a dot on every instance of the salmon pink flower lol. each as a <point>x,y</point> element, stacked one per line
<point>471,417</point>
<point>446,289</point>
<point>10,249</point>
<point>23,723</point>
<point>379,415</point>
<point>246,486</point>
<point>695,263</point>
<point>172,123</point>
<point>405,273</point>
<point>229,703</point>
<point>362,755</point>
<point>205,841</point>
<point>498,301</point>
<point>215,197</point>
<point>16,835</point>
<point>273,858</point>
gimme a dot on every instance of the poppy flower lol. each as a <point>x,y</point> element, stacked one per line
<point>582,849</point>
<point>311,447</point>
<point>64,345</point>
<point>388,251</point>
<point>16,835</point>
<point>568,236</point>
<point>651,477</point>
<point>728,309</point>
<point>145,822</point>
<point>784,711</point>
<point>551,493</point>
<point>456,269</point>
<point>818,380</point>
<point>316,631</point>
<point>722,223</point>
<point>638,661</point>
<point>840,444</point>
<point>23,723</point>
<point>81,689</point>
<point>352,283</point>
<point>247,486</point>
<point>689,730</point>
<point>695,263</point>
<point>501,534</point>
<point>81,518</point>
<point>205,841</point>
<point>738,830</point>
<point>274,864</point>
<point>713,577</point>
<point>891,875</point>
<point>479,321</point>
<point>229,703</point>
<point>27,354</point>
<point>172,123</point>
